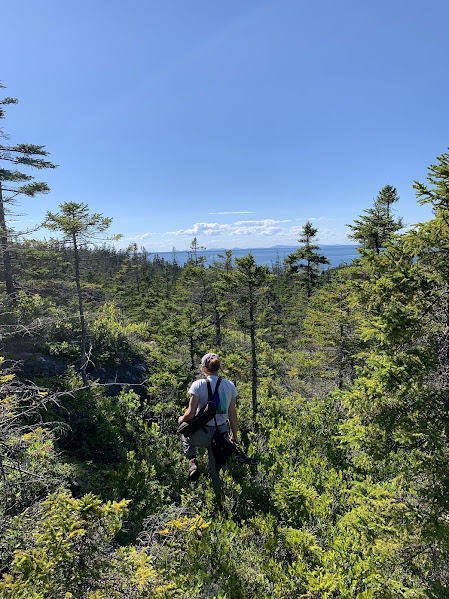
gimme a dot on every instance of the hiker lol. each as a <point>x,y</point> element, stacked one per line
<point>199,396</point>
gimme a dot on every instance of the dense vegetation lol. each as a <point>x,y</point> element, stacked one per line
<point>343,381</point>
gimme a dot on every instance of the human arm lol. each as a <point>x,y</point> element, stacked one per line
<point>232,415</point>
<point>191,410</point>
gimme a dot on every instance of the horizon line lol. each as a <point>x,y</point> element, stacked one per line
<point>273,247</point>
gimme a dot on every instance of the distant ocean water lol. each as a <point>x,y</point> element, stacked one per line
<point>337,254</point>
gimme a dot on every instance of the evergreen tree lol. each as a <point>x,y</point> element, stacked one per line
<point>221,284</point>
<point>14,183</point>
<point>438,176</point>
<point>375,229</point>
<point>196,281</point>
<point>364,517</point>
<point>398,407</point>
<point>79,228</point>
<point>193,255</point>
<point>331,329</point>
<point>310,270</point>
<point>387,196</point>
<point>251,279</point>
<point>134,265</point>
<point>188,328</point>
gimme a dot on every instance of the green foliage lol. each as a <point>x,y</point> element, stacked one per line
<point>376,228</point>
<point>343,391</point>
<point>331,330</point>
<point>114,340</point>
<point>74,220</point>
<point>138,481</point>
<point>71,555</point>
<point>438,177</point>
<point>14,183</point>
<point>28,464</point>
<point>295,500</point>
<point>310,270</point>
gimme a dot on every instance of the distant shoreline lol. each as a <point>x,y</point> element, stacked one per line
<point>240,249</point>
<point>337,254</point>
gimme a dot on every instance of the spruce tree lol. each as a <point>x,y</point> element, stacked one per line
<point>250,279</point>
<point>330,329</point>
<point>387,196</point>
<point>14,183</point>
<point>221,282</point>
<point>193,255</point>
<point>375,229</point>
<point>398,419</point>
<point>79,228</point>
<point>310,271</point>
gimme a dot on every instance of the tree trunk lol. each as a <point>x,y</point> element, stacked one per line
<point>84,335</point>
<point>203,296</point>
<point>7,269</point>
<point>309,279</point>
<point>340,359</point>
<point>136,264</point>
<point>217,328</point>
<point>252,332</point>
<point>377,245</point>
<point>192,353</point>
<point>167,286</point>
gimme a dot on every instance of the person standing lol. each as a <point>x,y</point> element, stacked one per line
<point>199,396</point>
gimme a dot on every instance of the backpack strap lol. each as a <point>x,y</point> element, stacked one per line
<point>209,390</point>
<point>211,396</point>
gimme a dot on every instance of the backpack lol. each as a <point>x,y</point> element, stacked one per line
<point>222,448</point>
<point>205,414</point>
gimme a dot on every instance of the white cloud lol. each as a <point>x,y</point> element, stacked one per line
<point>272,231</point>
<point>330,236</point>
<point>295,230</point>
<point>244,233</point>
<point>257,227</point>
<point>201,229</point>
<point>241,227</point>
<point>139,237</point>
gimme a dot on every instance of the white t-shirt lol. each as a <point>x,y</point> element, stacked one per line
<point>226,391</point>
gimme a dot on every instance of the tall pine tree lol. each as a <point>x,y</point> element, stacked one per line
<point>398,421</point>
<point>250,279</point>
<point>306,260</point>
<point>375,228</point>
<point>79,228</point>
<point>13,184</point>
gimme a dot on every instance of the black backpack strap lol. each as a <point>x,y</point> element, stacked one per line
<point>209,389</point>
<point>211,395</point>
<point>215,416</point>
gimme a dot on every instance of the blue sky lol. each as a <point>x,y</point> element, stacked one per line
<point>233,121</point>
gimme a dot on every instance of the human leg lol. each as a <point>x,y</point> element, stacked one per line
<point>202,438</point>
<point>214,473</point>
<point>190,448</point>
<point>190,451</point>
